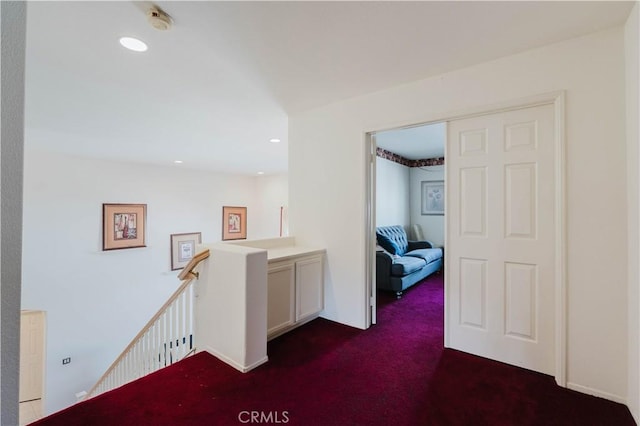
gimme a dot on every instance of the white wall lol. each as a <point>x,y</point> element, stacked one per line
<point>632,75</point>
<point>326,188</point>
<point>13,18</point>
<point>392,194</point>
<point>97,301</point>
<point>432,225</point>
<point>272,193</point>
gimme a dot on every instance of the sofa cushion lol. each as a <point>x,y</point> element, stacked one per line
<point>429,255</point>
<point>405,265</point>
<point>388,244</point>
<point>395,233</point>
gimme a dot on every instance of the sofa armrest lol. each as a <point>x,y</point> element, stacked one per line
<point>383,262</point>
<point>415,245</point>
<point>383,268</point>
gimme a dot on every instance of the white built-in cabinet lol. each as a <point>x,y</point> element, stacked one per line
<point>281,281</point>
<point>295,292</point>
<point>295,282</point>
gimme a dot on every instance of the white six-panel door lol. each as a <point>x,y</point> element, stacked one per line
<point>500,253</point>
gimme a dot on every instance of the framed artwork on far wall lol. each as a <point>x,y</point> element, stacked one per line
<point>433,197</point>
<point>183,248</point>
<point>234,223</point>
<point>123,226</point>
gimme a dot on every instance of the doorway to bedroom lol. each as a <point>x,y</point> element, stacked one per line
<point>409,187</point>
<point>505,281</point>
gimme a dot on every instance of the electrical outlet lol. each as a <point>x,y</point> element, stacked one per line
<point>66,361</point>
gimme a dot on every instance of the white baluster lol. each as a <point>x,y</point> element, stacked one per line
<point>189,315</point>
<point>163,339</point>
<point>118,374</point>
<point>132,364</point>
<point>168,334</point>
<point>136,361</point>
<point>180,335</point>
<point>126,371</point>
<point>167,338</point>
<point>174,330</point>
<point>187,319</point>
<point>156,343</point>
<point>141,360</point>
<point>145,353</point>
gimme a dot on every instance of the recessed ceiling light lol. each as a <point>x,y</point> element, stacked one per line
<point>178,161</point>
<point>274,140</point>
<point>133,44</point>
<point>260,173</point>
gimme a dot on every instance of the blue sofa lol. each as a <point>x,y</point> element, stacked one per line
<point>402,263</point>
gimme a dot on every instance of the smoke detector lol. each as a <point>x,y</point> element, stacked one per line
<point>159,19</point>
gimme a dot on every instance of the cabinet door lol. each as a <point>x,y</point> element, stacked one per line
<point>280,297</point>
<point>309,287</point>
<point>32,347</point>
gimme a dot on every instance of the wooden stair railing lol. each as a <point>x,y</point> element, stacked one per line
<point>167,337</point>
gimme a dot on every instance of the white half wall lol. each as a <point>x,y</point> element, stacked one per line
<point>231,305</point>
<point>327,191</point>
<point>97,301</point>
<point>432,225</point>
<point>392,194</point>
<point>632,76</point>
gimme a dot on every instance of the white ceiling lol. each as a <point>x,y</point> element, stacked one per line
<point>414,143</point>
<point>216,87</point>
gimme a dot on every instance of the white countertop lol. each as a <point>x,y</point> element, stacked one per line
<point>284,253</point>
<point>281,248</point>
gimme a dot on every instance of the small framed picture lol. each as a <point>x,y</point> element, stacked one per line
<point>234,223</point>
<point>183,248</point>
<point>433,197</point>
<point>123,226</point>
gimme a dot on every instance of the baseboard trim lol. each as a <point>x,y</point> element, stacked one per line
<point>256,364</point>
<point>240,367</point>
<point>596,392</point>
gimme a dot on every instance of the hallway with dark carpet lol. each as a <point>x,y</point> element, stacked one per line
<point>323,373</point>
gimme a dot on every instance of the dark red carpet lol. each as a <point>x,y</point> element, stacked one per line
<point>328,374</point>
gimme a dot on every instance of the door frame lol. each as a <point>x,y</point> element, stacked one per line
<point>370,292</point>
<point>557,99</point>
